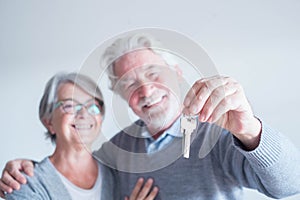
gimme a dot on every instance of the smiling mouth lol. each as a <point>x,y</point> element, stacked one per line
<point>155,102</point>
<point>82,126</point>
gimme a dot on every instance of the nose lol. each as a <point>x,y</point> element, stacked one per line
<point>146,90</point>
<point>83,112</point>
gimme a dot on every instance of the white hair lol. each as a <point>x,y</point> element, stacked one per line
<point>130,43</point>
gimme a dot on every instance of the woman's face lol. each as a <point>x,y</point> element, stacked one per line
<point>75,121</point>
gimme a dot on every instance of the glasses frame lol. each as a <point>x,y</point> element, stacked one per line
<point>76,104</point>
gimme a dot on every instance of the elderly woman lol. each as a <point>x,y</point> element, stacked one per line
<point>72,111</point>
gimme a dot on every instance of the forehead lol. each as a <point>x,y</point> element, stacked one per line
<point>136,59</point>
<point>71,91</point>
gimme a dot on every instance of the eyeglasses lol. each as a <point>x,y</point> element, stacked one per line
<point>71,107</point>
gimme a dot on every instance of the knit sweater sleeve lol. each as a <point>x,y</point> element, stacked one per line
<point>272,168</point>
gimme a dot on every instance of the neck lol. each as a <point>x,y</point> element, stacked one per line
<point>79,167</point>
<point>63,157</point>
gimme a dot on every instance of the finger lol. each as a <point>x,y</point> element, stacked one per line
<point>220,94</point>
<point>15,175</point>
<point>153,193</point>
<point>146,189</point>
<point>198,101</point>
<point>136,189</point>
<point>28,167</point>
<point>200,92</point>
<point>2,195</point>
<point>191,94</point>
<point>8,180</point>
<point>13,169</point>
<point>231,103</point>
<point>220,111</point>
<point>126,198</point>
<point>4,187</point>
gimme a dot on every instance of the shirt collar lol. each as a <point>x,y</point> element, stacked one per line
<point>174,130</point>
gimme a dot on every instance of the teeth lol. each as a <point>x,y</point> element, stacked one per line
<point>153,102</point>
<point>82,126</point>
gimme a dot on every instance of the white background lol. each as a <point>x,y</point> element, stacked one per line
<point>256,42</point>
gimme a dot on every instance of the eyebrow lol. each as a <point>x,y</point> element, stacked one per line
<point>144,67</point>
<point>150,66</point>
<point>70,99</point>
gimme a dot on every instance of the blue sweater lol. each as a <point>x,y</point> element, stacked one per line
<point>219,170</point>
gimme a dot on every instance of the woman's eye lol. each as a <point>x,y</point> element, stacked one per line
<point>68,106</point>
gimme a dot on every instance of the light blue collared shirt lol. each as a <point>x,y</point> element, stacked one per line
<point>163,140</point>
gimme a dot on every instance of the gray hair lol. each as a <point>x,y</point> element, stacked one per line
<point>128,44</point>
<point>50,97</point>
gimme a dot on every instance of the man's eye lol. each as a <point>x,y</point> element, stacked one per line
<point>130,85</point>
<point>153,75</point>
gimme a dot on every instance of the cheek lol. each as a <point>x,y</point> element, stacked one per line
<point>67,119</point>
<point>59,122</point>
<point>171,85</point>
<point>133,101</point>
<point>99,120</point>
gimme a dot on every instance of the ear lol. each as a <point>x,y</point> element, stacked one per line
<point>48,124</point>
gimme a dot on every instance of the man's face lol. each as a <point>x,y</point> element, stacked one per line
<point>150,87</point>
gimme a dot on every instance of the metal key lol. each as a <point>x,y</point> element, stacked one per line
<point>187,125</point>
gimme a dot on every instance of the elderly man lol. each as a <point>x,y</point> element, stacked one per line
<point>248,153</point>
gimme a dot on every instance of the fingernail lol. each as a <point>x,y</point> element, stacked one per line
<point>150,180</point>
<point>141,179</point>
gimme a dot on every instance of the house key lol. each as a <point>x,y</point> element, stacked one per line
<point>187,125</point>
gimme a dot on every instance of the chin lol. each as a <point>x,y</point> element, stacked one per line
<point>158,121</point>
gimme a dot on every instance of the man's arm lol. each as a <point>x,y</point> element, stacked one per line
<point>12,177</point>
<point>270,161</point>
<point>272,168</point>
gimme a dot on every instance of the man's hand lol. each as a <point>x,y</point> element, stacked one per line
<point>222,100</point>
<point>143,191</point>
<point>12,176</point>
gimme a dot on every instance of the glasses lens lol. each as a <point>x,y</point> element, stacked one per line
<point>94,109</point>
<point>69,107</point>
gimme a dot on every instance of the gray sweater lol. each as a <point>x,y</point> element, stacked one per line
<point>272,168</point>
<point>46,184</point>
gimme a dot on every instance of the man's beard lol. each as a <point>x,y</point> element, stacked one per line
<point>160,118</point>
